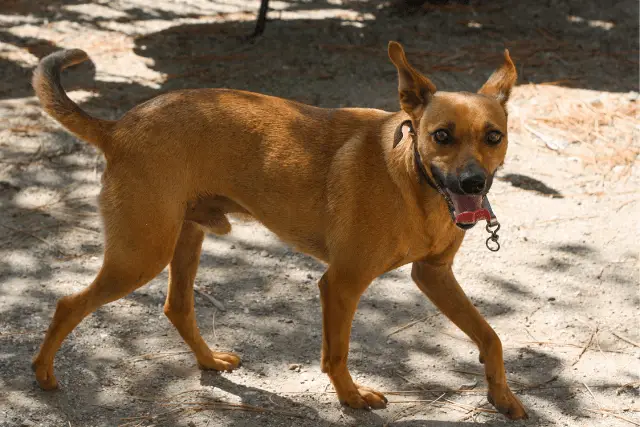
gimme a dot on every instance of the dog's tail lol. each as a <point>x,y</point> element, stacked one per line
<point>46,82</point>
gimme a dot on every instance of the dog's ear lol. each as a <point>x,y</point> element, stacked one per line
<point>414,89</point>
<point>501,81</point>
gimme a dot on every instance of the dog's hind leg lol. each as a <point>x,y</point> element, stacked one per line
<point>141,230</point>
<point>179,304</point>
<point>339,294</point>
<point>132,258</point>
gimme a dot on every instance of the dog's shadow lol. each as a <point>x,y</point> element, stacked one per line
<point>278,405</point>
<point>275,405</point>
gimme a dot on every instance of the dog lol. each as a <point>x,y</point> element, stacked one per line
<point>363,190</point>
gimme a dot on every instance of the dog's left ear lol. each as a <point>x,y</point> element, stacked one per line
<point>414,89</point>
<point>501,81</point>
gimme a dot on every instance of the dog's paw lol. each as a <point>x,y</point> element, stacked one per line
<point>508,405</point>
<point>365,398</point>
<point>220,361</point>
<point>44,376</point>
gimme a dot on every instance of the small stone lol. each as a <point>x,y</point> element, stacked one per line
<point>294,367</point>
<point>234,261</point>
<point>246,311</point>
<point>191,424</point>
<point>232,247</point>
<point>551,299</point>
<point>27,423</point>
<point>309,276</point>
<point>596,103</point>
<point>288,321</point>
<point>264,254</point>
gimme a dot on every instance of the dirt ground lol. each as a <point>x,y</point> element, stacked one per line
<point>562,293</point>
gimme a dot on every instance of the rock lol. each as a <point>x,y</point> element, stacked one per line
<point>596,103</point>
<point>294,367</point>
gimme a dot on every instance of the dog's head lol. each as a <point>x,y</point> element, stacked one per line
<point>461,137</point>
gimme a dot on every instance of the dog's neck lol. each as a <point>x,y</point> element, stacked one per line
<point>406,167</point>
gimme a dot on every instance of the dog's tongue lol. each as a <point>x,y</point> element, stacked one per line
<point>468,209</point>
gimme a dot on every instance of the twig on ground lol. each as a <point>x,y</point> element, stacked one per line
<point>529,333</point>
<point>213,324</point>
<point>217,304</point>
<point>472,412</point>
<point>469,386</point>
<point>549,142</point>
<point>173,396</point>
<point>457,337</point>
<point>150,356</point>
<point>592,395</point>
<point>214,404</point>
<point>539,385</point>
<point>620,417</point>
<point>597,338</point>
<point>143,418</point>
<point>627,340</point>
<point>26,233</point>
<point>410,324</point>
<point>465,406</point>
<point>481,374</point>
<point>403,412</point>
<point>628,202</point>
<point>523,389</point>
<point>586,346</point>
<point>560,344</point>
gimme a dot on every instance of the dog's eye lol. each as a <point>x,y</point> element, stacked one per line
<point>494,137</point>
<point>442,136</point>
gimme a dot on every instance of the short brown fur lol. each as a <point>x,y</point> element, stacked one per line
<point>329,182</point>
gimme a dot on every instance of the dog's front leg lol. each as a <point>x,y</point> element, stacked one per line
<point>339,294</point>
<point>439,284</point>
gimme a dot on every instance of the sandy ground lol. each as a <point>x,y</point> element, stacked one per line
<point>562,293</point>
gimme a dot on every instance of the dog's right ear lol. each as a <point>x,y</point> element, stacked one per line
<point>414,89</point>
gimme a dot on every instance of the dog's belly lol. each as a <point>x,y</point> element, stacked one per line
<point>211,213</point>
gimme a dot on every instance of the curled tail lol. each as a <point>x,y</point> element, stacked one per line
<point>46,82</point>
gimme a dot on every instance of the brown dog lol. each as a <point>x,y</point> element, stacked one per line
<point>363,190</point>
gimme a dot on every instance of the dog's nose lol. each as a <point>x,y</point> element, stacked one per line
<point>472,180</point>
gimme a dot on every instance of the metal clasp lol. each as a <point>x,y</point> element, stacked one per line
<point>494,246</point>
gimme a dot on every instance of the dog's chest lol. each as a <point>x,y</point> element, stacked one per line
<point>431,239</point>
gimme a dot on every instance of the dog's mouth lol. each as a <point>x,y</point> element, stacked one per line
<point>466,209</point>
